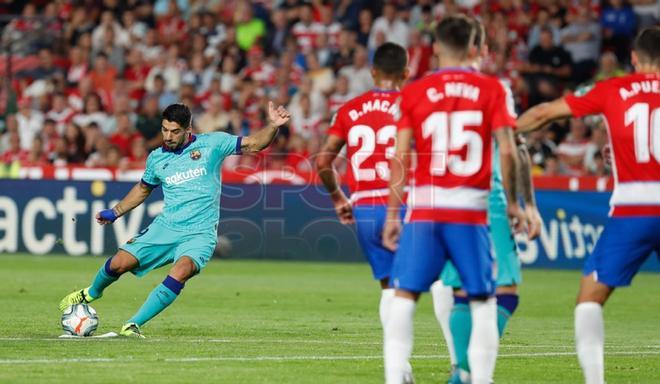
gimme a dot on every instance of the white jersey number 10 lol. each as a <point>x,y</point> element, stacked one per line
<point>647,138</point>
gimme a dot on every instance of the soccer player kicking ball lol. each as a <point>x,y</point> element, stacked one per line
<point>451,115</point>
<point>631,106</point>
<point>449,301</point>
<point>188,168</point>
<point>367,126</point>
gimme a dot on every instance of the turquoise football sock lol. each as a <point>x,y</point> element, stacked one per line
<point>159,299</point>
<point>460,323</point>
<point>506,306</point>
<point>104,277</point>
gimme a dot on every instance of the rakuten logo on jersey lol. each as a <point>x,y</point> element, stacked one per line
<point>183,177</point>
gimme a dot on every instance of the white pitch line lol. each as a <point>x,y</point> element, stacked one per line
<point>305,341</point>
<point>296,358</point>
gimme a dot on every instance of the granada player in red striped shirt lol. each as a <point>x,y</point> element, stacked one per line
<point>631,107</point>
<point>366,126</point>
<point>451,116</point>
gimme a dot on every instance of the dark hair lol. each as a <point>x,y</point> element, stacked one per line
<point>647,45</point>
<point>456,32</point>
<point>479,33</point>
<point>179,114</point>
<point>390,59</point>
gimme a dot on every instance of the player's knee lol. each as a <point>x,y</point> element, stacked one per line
<point>118,265</point>
<point>593,291</point>
<point>184,269</point>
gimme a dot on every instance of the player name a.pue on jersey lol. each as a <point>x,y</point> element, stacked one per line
<point>644,86</point>
<point>373,106</point>
<point>454,89</point>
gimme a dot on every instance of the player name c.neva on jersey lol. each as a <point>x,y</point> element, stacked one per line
<point>373,106</point>
<point>454,89</point>
<point>644,86</point>
<point>182,177</point>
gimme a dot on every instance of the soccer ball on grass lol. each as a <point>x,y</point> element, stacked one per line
<point>79,320</point>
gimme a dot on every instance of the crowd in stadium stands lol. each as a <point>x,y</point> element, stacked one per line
<point>89,78</point>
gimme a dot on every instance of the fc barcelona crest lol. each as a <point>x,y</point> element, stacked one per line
<point>195,155</point>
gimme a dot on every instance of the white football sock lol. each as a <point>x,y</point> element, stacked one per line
<point>484,340</point>
<point>398,339</point>
<point>385,300</point>
<point>443,302</point>
<point>590,341</point>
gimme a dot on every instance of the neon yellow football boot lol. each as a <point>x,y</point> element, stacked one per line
<point>131,330</point>
<point>77,297</point>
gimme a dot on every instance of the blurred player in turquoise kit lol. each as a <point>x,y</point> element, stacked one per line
<point>187,167</point>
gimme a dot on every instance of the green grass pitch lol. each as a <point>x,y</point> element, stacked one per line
<point>288,322</point>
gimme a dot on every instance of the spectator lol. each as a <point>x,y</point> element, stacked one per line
<point>322,77</point>
<point>36,156</point>
<point>97,157</point>
<point>160,92</point>
<point>553,167</point>
<point>323,51</point>
<point>619,27</point>
<point>330,27</point>
<point>647,12</point>
<point>113,157</point>
<point>609,67</point>
<point>14,152</point>
<point>215,118</point>
<point>112,51</point>
<point>49,135</point>
<point>364,27</point>
<point>92,112</point>
<point>598,141</point>
<point>148,123</point>
<point>278,32</point>
<point>419,55</point>
<point>74,144</point>
<point>137,158</point>
<point>103,74</point>
<point>391,26</point>
<point>358,72</point>
<point>306,30</point>
<point>249,29</point>
<point>581,38</point>
<point>339,96</point>
<point>45,70</point>
<point>124,136</point>
<point>169,66</point>
<point>573,149</point>
<point>78,66</point>
<point>108,22</point>
<point>171,26</point>
<point>150,48</point>
<point>29,123</point>
<point>543,21</point>
<point>343,55</point>
<point>307,123</point>
<point>136,74</point>
<point>548,66</point>
<point>60,112</point>
<point>540,149</point>
<point>136,29</point>
<point>199,75</point>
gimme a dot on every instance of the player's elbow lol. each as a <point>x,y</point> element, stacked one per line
<point>322,162</point>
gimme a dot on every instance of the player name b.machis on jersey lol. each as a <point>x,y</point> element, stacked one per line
<point>367,124</point>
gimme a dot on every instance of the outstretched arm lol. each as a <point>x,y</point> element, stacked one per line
<point>136,196</point>
<point>526,189</point>
<point>328,176</point>
<point>262,138</point>
<point>542,114</point>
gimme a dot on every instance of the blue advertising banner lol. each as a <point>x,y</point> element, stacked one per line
<point>259,221</point>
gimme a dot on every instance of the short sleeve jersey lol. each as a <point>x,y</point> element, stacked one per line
<point>367,125</point>
<point>191,179</point>
<point>453,114</point>
<point>631,108</point>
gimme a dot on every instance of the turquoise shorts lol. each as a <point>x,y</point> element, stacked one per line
<point>506,254</point>
<point>159,245</point>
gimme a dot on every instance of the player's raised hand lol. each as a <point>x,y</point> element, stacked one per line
<point>344,210</point>
<point>391,233</point>
<point>534,222</point>
<point>517,217</point>
<point>277,116</point>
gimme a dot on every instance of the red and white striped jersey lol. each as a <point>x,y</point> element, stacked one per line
<point>631,107</point>
<point>306,34</point>
<point>367,125</point>
<point>453,114</point>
